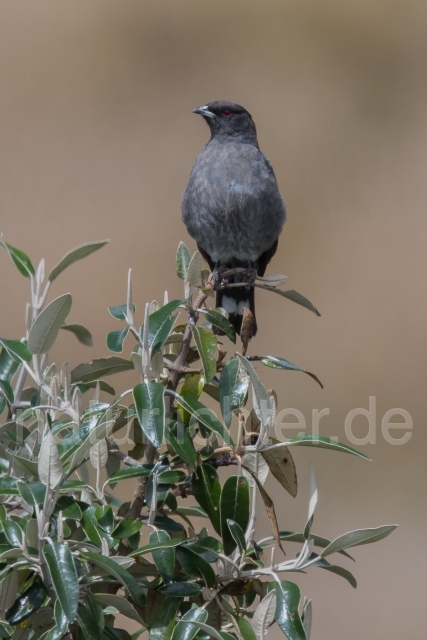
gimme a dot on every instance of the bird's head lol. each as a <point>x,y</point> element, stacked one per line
<point>228,119</point>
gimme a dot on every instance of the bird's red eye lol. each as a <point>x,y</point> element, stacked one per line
<point>227,113</point>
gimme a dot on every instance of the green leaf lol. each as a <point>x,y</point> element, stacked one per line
<point>264,614</point>
<point>150,409</point>
<point>110,567</point>
<point>20,259</point>
<point>91,371</point>
<point>131,472</point>
<point>207,491</point>
<point>64,577</point>
<point>234,505</point>
<point>291,295</point>
<point>16,350</point>
<point>115,339</point>
<point>221,322</point>
<point>339,571</point>
<point>127,528</point>
<point>280,363</point>
<point>183,258</point>
<point>233,388</point>
<point>153,546</point>
<point>357,538</point>
<point>49,464</point>
<point>261,399</point>
<point>238,536</point>
<point>103,386</point>
<point>160,324</point>
<point>195,566</point>
<point>212,633</point>
<point>8,366</point>
<point>206,346</point>
<point>90,527</point>
<point>245,629</point>
<point>181,590</point>
<point>164,557</point>
<point>171,476</point>
<point>105,517</point>
<point>163,626</point>
<point>119,603</point>
<point>13,533</point>
<point>204,416</point>
<point>287,613</point>
<point>74,255</point>
<point>82,334</point>
<point>185,631</point>
<point>289,536</point>
<point>182,444</point>
<point>45,328</point>
<point>8,487</point>
<point>309,440</point>
<point>32,492</point>
<point>7,391</point>
<point>119,311</point>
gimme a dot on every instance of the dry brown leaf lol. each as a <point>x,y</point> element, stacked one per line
<point>269,506</point>
<point>282,467</point>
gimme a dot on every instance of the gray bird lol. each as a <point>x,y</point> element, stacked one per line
<point>232,206</point>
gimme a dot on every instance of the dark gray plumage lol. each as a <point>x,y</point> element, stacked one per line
<point>232,206</point>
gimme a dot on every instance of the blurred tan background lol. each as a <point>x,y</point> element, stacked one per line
<point>97,140</point>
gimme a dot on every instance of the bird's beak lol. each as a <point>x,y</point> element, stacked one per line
<point>204,111</point>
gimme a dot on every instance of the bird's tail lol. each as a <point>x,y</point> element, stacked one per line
<point>234,300</point>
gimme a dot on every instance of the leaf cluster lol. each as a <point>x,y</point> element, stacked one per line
<point>181,557</point>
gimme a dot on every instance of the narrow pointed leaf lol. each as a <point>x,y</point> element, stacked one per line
<point>280,363</point>
<point>221,322</point>
<point>309,440</point>
<point>92,371</point>
<point>20,259</point>
<point>287,613</point>
<point>121,604</point>
<point>64,577</point>
<point>206,343</point>
<point>339,571</point>
<point>194,270</point>
<point>291,295</point>
<point>238,535</point>
<point>45,328</point>
<point>233,388</point>
<point>164,557</point>
<point>262,403</point>
<point>150,409</point>
<point>110,567</point>
<point>182,444</point>
<point>357,538</point>
<point>160,324</point>
<point>153,546</point>
<point>74,255</point>
<point>7,391</point>
<point>82,334</point>
<point>204,416</point>
<point>131,472</point>
<point>207,491</point>
<point>17,350</point>
<point>234,505</point>
<point>195,566</point>
<point>8,366</point>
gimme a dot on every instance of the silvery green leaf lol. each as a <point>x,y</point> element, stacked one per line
<point>65,377</point>
<point>153,307</point>
<point>307,617</point>
<point>291,295</point>
<point>20,259</point>
<point>49,464</point>
<point>264,614</point>
<point>273,280</point>
<point>157,364</point>
<point>40,273</point>
<point>194,270</point>
<point>261,399</point>
<point>312,503</point>
<point>98,454</point>
<point>77,403</point>
<point>258,465</point>
<point>74,255</point>
<point>358,537</point>
<point>182,261</point>
<point>45,328</point>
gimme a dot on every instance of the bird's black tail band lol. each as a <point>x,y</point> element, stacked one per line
<point>234,300</point>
